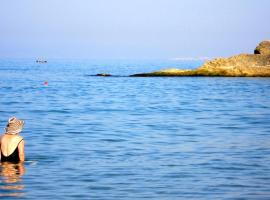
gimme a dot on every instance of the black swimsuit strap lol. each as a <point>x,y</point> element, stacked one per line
<point>19,142</point>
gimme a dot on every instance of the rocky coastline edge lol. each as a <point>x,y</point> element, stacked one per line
<point>242,65</point>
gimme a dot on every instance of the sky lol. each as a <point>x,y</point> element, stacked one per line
<point>131,29</point>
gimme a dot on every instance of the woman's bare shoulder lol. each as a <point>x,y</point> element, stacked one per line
<point>19,137</point>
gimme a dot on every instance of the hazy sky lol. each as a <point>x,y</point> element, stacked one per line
<point>131,28</point>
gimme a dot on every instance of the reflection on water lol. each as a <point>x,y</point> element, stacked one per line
<point>11,183</point>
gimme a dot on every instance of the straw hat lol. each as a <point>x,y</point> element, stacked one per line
<point>14,125</point>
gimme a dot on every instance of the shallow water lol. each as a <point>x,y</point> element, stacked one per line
<point>135,138</point>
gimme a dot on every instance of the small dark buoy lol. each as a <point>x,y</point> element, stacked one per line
<point>45,83</point>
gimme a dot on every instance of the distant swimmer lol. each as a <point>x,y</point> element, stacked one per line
<point>11,143</point>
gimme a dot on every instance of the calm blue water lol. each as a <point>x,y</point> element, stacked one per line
<point>135,138</point>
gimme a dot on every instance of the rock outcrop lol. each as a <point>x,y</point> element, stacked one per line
<point>103,74</point>
<point>250,65</point>
<point>263,48</point>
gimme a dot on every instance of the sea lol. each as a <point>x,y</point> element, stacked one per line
<point>121,137</point>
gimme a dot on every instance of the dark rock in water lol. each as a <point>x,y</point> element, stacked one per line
<point>103,75</point>
<point>263,48</point>
<point>252,65</point>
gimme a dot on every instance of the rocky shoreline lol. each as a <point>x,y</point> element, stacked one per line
<point>243,65</point>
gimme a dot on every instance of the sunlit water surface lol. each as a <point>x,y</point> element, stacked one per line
<point>104,138</point>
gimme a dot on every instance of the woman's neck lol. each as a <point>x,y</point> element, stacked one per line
<point>11,133</point>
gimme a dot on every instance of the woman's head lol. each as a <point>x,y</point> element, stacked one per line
<point>14,126</point>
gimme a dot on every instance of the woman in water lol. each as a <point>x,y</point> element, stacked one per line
<point>11,143</point>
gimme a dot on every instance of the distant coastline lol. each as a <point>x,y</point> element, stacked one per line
<point>243,65</point>
<point>191,58</point>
